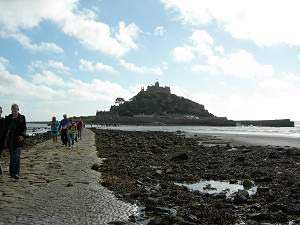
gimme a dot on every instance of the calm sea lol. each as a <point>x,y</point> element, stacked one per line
<point>292,132</point>
<point>37,128</point>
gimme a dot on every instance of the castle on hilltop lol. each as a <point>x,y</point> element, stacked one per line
<point>156,88</point>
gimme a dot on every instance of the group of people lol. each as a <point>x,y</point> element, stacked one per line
<point>70,130</point>
<point>12,135</point>
<point>13,132</point>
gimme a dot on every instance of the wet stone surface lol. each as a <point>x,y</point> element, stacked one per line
<point>58,186</point>
<point>144,168</point>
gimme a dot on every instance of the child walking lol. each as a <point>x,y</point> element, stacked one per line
<point>54,129</point>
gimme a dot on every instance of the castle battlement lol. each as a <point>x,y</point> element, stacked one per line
<point>157,88</point>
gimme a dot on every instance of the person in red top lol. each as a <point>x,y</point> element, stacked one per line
<point>79,128</point>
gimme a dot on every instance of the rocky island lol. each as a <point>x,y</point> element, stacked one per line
<point>158,106</point>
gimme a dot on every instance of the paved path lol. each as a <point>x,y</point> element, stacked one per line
<point>58,187</point>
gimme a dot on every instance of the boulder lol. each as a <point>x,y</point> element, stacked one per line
<point>241,197</point>
<point>247,184</point>
<point>95,167</point>
<point>180,157</point>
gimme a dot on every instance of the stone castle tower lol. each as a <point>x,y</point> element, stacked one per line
<point>157,88</point>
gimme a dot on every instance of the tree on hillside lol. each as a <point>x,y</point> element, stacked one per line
<point>119,101</point>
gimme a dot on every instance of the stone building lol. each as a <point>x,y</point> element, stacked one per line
<point>157,88</point>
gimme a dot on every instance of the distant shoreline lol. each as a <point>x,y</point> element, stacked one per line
<point>263,140</point>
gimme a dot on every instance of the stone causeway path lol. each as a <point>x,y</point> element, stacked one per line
<point>59,187</point>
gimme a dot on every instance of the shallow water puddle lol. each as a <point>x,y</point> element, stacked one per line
<point>217,187</point>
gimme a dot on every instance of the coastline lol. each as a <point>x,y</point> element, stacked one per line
<point>253,139</point>
<point>145,167</point>
<point>263,140</point>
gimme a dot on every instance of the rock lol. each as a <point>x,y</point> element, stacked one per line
<point>169,170</point>
<point>258,216</point>
<point>209,187</point>
<point>277,206</point>
<point>251,222</point>
<point>232,181</point>
<point>241,197</point>
<point>274,155</point>
<point>231,149</point>
<point>256,206</point>
<point>279,216</point>
<point>247,184</point>
<point>95,167</point>
<point>263,179</point>
<point>156,150</point>
<point>180,157</point>
<point>262,190</point>
<point>151,202</point>
<point>70,185</point>
<point>117,223</point>
<point>158,172</point>
<point>240,159</point>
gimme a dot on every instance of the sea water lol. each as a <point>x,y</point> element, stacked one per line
<point>37,128</point>
<point>217,187</point>
<point>289,132</point>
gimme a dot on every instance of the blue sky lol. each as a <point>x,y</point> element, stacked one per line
<point>240,59</point>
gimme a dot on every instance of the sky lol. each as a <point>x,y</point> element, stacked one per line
<point>239,58</point>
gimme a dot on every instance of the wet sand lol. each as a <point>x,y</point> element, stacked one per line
<point>243,139</point>
<point>59,187</point>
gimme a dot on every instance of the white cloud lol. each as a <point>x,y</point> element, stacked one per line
<point>270,99</point>
<point>48,78</point>
<point>165,65</point>
<point>264,22</point>
<point>57,95</point>
<point>183,54</point>
<point>159,31</point>
<point>73,22</point>
<point>141,69</point>
<point>14,86</point>
<point>239,63</point>
<point>263,94</point>
<point>50,64</point>
<point>127,35</point>
<point>220,49</point>
<point>94,67</point>
<point>3,63</point>
<point>204,69</point>
<point>27,43</point>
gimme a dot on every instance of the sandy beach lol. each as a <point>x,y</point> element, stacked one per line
<point>263,140</point>
<point>59,187</point>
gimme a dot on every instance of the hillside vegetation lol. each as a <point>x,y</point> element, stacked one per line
<point>157,103</point>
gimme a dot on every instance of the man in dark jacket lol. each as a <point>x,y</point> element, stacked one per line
<point>15,125</point>
<point>2,136</point>
<point>63,128</point>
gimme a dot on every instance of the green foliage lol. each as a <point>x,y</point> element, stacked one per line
<point>157,103</point>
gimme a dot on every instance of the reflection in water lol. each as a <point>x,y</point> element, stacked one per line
<point>216,187</point>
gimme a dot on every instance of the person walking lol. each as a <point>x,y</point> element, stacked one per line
<point>63,127</point>
<point>72,129</point>
<point>79,128</point>
<point>2,136</point>
<point>54,129</point>
<point>15,127</point>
